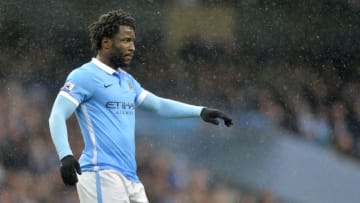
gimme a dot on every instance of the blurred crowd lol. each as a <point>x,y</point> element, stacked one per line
<point>319,103</point>
<point>311,96</point>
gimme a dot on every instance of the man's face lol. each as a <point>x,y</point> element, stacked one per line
<point>123,47</point>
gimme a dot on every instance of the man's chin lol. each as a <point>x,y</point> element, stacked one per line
<point>121,65</point>
<point>119,62</point>
<point>124,65</point>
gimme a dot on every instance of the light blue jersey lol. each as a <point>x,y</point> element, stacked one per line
<point>106,114</point>
<point>104,101</point>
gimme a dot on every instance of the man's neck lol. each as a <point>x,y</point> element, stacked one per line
<point>105,60</point>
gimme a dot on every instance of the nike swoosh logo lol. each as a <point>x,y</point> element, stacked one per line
<point>107,85</point>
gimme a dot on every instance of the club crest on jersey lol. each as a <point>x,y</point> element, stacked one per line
<point>68,87</point>
<point>129,85</point>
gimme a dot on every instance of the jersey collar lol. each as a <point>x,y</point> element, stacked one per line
<point>105,67</point>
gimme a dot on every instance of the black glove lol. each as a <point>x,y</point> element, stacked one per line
<point>211,115</point>
<point>69,166</point>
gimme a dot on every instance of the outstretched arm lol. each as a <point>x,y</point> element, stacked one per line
<point>169,108</point>
<point>175,109</point>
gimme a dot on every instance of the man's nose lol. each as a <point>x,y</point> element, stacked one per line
<point>132,47</point>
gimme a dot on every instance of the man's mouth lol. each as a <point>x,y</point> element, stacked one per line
<point>128,57</point>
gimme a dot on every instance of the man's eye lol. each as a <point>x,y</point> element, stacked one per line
<point>127,40</point>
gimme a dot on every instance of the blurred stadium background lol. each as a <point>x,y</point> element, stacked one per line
<point>287,71</point>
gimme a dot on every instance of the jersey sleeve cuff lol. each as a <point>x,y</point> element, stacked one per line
<point>141,97</point>
<point>69,97</point>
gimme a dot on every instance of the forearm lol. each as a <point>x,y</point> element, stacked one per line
<point>169,108</point>
<point>61,111</point>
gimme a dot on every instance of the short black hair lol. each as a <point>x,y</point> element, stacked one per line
<point>107,26</point>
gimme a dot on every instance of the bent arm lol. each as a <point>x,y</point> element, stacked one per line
<point>169,108</point>
<point>62,109</point>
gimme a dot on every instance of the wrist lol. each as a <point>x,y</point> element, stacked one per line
<point>202,111</point>
<point>66,156</point>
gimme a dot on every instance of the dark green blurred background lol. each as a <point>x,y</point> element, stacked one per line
<point>56,31</point>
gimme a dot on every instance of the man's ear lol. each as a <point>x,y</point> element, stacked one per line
<point>106,43</point>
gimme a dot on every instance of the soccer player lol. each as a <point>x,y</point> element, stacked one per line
<point>104,98</point>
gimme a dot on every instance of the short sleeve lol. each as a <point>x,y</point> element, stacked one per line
<point>78,86</point>
<point>139,91</point>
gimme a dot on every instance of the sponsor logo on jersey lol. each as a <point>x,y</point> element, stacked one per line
<point>130,85</point>
<point>107,85</point>
<point>127,108</point>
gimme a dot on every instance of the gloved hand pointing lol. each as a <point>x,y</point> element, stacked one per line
<point>69,166</point>
<point>211,116</point>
